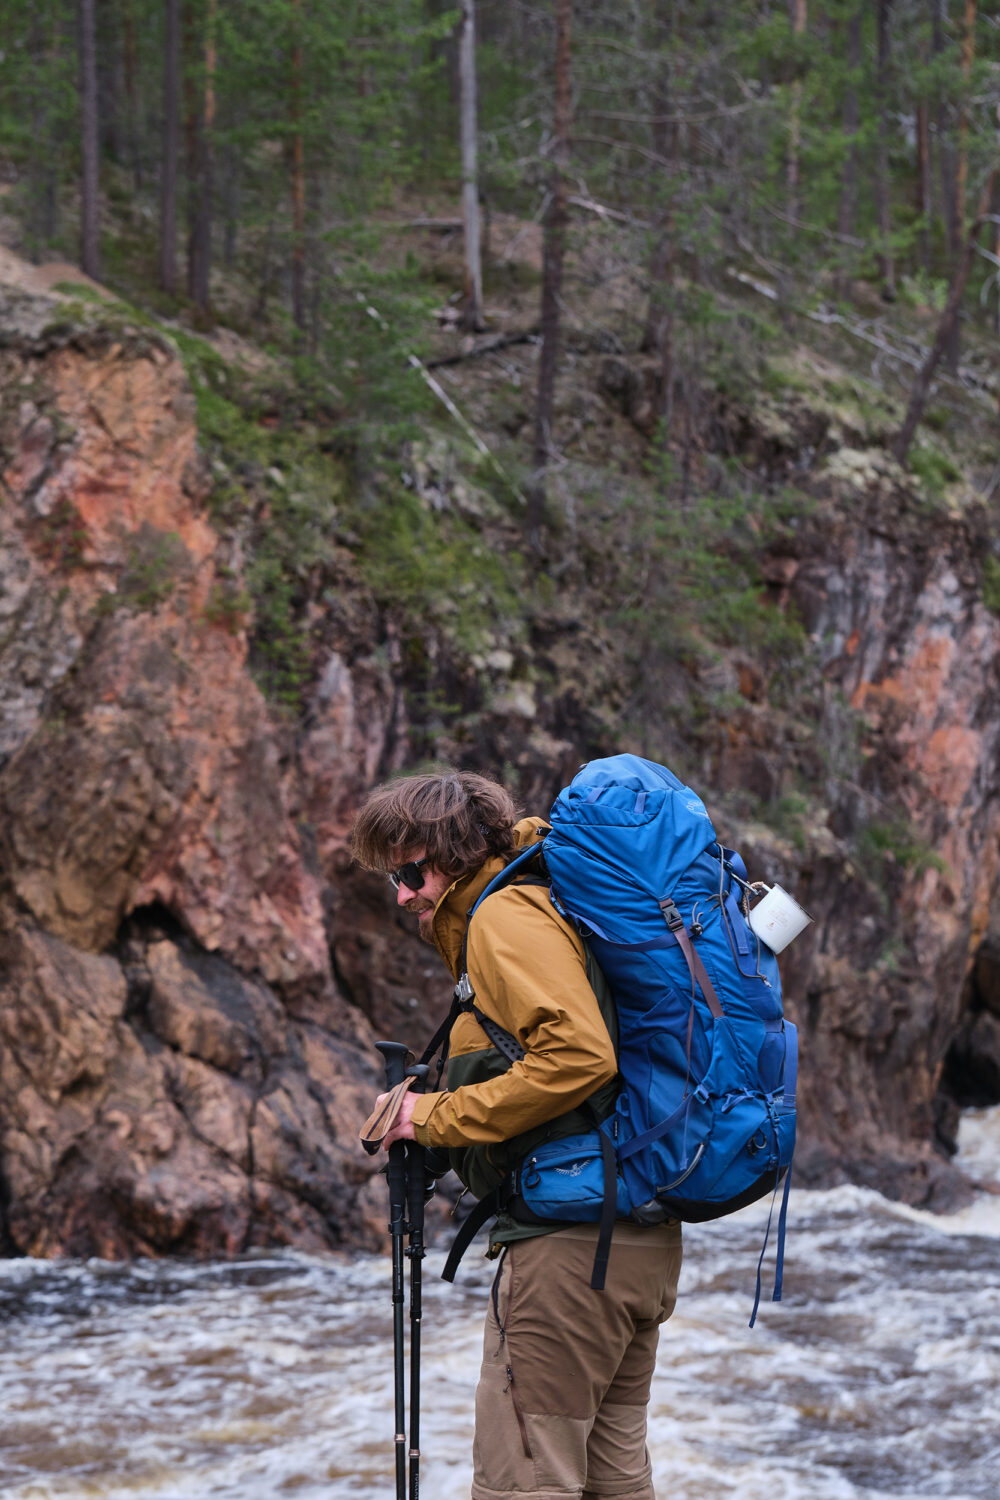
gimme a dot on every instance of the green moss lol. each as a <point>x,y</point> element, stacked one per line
<point>991,583</point>
<point>933,468</point>
<point>779,379</point>
<point>229,605</point>
<point>786,815</point>
<point>284,477</point>
<point>280,656</point>
<point>79,291</point>
<point>437,567</point>
<point>156,563</point>
<point>896,840</point>
<point>62,536</point>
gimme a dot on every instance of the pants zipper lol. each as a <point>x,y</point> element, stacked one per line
<point>509,1387</point>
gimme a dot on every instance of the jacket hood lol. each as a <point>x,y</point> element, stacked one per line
<point>451,913</point>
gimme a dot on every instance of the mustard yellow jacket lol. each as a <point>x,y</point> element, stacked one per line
<point>532,975</point>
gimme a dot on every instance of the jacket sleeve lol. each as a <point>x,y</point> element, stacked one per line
<point>528,970</point>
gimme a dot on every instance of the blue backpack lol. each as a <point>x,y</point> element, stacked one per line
<point>704,1123</point>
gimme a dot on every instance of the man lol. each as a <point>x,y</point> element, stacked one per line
<point>564,1385</point>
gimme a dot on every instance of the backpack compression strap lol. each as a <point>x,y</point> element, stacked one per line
<point>697,970</point>
<point>609,1209</point>
<point>699,976</point>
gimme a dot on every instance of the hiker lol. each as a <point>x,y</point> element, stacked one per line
<point>565,1378</point>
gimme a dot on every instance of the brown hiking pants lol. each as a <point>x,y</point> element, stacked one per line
<point>561,1402</point>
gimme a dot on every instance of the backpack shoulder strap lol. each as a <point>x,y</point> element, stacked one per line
<point>464,996</point>
<point>512,873</point>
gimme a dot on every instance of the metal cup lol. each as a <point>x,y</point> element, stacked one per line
<point>777,918</point>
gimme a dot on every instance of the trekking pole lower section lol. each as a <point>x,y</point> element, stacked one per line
<point>416,1181</point>
<point>395,1055</point>
<point>407,1178</point>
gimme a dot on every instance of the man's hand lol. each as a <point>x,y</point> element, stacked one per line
<point>402,1130</point>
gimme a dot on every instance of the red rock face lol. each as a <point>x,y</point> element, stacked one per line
<point>149,1105</point>
<point>896,612</point>
<point>157,743</point>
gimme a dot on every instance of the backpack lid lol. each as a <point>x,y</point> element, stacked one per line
<point>633,815</point>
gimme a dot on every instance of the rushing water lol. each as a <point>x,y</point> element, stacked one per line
<point>879,1374</point>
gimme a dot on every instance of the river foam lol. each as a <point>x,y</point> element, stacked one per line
<point>272,1376</point>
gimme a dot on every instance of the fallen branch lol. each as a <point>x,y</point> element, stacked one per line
<point>490,346</point>
<point>603,212</point>
<point>761,287</point>
<point>446,401</point>
<point>724,112</point>
<point>858,331</point>
<point>829,234</point>
<point>444,226</point>
<point>966,378</point>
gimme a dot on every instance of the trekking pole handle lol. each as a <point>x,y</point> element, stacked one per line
<point>394,1055</point>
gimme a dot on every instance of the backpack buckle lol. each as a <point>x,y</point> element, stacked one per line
<point>671,915</point>
<point>464,992</point>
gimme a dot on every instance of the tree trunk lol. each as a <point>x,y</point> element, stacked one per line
<point>472,312</point>
<point>41,173</point>
<point>266,272</point>
<point>230,204</point>
<point>131,113</point>
<point>658,336</point>
<point>922,384</point>
<point>922,133</point>
<point>191,133</point>
<point>298,176</point>
<point>171,123</point>
<point>886,259</point>
<point>109,84</point>
<point>800,18</point>
<point>552,263</point>
<point>848,185</point>
<point>946,150</point>
<point>90,253</point>
<point>962,166</point>
<point>953,344</point>
<point>201,227</point>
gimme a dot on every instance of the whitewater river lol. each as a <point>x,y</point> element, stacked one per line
<point>879,1375</point>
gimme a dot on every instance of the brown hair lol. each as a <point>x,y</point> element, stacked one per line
<point>458,818</point>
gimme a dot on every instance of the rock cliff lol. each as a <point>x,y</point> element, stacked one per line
<point>191,977</point>
<point>886,982</point>
<point>178,1068</point>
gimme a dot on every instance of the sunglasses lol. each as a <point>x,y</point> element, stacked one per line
<point>408,875</point>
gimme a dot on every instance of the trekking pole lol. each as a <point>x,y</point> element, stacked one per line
<point>395,1055</point>
<point>415,1189</point>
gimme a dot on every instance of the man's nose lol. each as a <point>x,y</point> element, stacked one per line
<point>403,894</point>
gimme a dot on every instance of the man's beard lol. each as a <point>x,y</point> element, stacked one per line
<point>416,909</point>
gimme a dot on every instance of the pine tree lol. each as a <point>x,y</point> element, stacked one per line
<point>171,147</point>
<point>90,253</point>
<point>556,221</point>
<point>472,311</point>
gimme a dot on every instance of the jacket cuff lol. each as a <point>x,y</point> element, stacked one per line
<point>422,1111</point>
